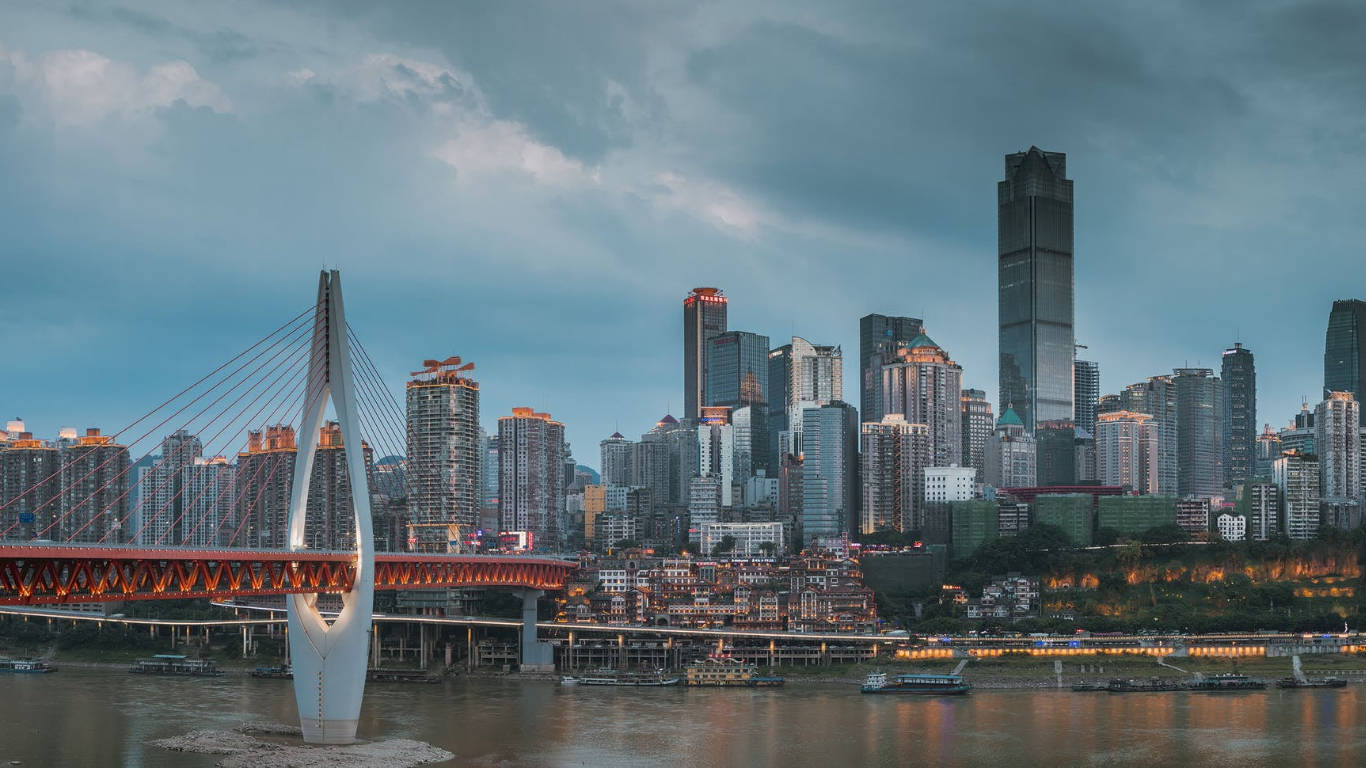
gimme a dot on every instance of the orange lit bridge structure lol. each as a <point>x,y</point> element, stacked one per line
<point>48,574</point>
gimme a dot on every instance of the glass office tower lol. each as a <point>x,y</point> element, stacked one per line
<point>704,316</point>
<point>1344,348</point>
<point>1034,229</point>
<point>737,369</point>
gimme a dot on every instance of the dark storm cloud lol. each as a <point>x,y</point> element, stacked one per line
<point>536,186</point>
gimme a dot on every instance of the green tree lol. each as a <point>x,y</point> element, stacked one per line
<point>725,545</point>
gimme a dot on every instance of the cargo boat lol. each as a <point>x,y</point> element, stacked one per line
<point>399,676</point>
<point>1145,686</point>
<point>624,679</point>
<point>925,685</point>
<point>727,672</point>
<point>1322,682</point>
<point>276,673</point>
<point>26,667</point>
<point>1228,681</point>
<point>175,665</point>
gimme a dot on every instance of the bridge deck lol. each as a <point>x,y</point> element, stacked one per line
<point>36,574</point>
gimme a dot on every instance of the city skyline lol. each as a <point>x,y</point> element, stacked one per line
<point>631,221</point>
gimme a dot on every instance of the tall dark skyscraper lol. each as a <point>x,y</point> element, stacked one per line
<point>737,370</point>
<point>704,316</point>
<point>1344,349</point>
<point>880,337</point>
<point>1086,393</point>
<point>1034,231</point>
<point>1199,432</point>
<point>1239,375</point>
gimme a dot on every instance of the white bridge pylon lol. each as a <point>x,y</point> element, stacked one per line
<point>329,662</point>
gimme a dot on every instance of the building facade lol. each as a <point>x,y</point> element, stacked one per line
<point>880,337</point>
<point>446,450</point>
<point>1199,432</point>
<point>977,426</point>
<point>1126,451</point>
<point>894,456</point>
<point>737,369</point>
<point>1239,376</point>
<point>531,487</point>
<point>1297,478</point>
<point>830,436</point>
<point>1337,440</point>
<point>1011,455</point>
<point>704,316</point>
<point>1344,348</point>
<point>1034,231</point>
<point>925,386</point>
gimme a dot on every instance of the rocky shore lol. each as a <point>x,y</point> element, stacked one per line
<point>271,745</point>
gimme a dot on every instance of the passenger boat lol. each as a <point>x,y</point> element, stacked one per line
<point>278,673</point>
<point>626,679</point>
<point>727,672</point>
<point>925,685</point>
<point>1085,686</point>
<point>176,665</point>
<point>26,666</point>
<point>1309,682</point>
<point>399,676</point>
<point>1228,681</point>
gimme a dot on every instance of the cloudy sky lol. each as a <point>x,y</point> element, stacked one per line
<point>536,187</point>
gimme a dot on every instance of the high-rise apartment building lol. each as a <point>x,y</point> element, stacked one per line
<point>331,519</point>
<point>1199,433</point>
<point>445,449</point>
<point>1085,394</point>
<point>977,425</point>
<point>1337,440</point>
<point>94,485</point>
<point>1268,450</point>
<point>616,454</point>
<point>265,479</point>
<point>1299,435</point>
<point>1126,451</point>
<point>1297,477</point>
<point>737,369</point>
<point>704,316</point>
<point>704,506</point>
<point>1011,454</point>
<point>1259,502</point>
<point>1239,375</point>
<point>165,503</point>
<point>716,451</point>
<point>29,485</point>
<point>531,488</point>
<point>880,336</point>
<point>893,459</point>
<point>925,386</point>
<point>830,435</point>
<point>1344,348</point>
<point>1034,229</point>
<point>209,513</point>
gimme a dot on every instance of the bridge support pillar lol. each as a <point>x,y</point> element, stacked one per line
<point>329,660</point>
<point>536,655</point>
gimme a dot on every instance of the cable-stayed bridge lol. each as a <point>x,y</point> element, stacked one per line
<point>88,522</point>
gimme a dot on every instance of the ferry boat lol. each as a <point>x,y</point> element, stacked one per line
<point>277,673</point>
<point>727,672</point>
<point>626,679</point>
<point>1309,682</point>
<point>1228,681</point>
<point>175,665</point>
<point>26,666</point>
<point>925,684</point>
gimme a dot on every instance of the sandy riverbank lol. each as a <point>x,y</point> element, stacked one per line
<point>270,745</point>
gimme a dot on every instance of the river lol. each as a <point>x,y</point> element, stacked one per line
<point>104,717</point>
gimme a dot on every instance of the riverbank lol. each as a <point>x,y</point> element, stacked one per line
<point>270,745</point>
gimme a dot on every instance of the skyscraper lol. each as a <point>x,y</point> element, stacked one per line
<point>704,316</point>
<point>815,377</point>
<point>737,369</point>
<point>331,519</point>
<point>1337,439</point>
<point>445,449</point>
<point>531,475</point>
<point>1297,477</point>
<point>1126,451</point>
<point>926,387</point>
<point>830,437</point>
<point>1239,375</point>
<point>894,456</point>
<point>1086,394</point>
<point>1199,432</point>
<point>1344,348</point>
<point>978,422</point>
<point>265,480</point>
<point>94,481</point>
<point>1034,231</point>
<point>1011,455</point>
<point>716,450</point>
<point>616,453</point>
<point>880,337</point>
<point>1157,398</point>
